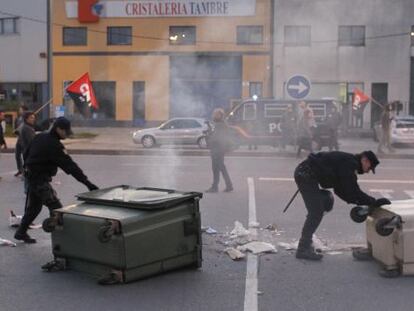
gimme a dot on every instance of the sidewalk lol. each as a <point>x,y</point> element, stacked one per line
<point>117,140</point>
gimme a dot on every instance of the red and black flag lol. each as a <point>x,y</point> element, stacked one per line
<point>82,94</point>
<point>360,100</point>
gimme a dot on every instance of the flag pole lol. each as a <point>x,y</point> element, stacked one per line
<point>43,106</point>
<point>377,103</point>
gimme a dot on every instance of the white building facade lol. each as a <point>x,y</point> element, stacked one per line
<point>23,52</point>
<point>339,45</point>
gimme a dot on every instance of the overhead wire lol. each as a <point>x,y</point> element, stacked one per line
<point>375,37</point>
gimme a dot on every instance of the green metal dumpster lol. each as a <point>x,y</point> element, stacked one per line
<point>121,234</point>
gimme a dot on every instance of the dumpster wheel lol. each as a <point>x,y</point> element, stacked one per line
<point>111,278</point>
<point>380,227</point>
<point>356,215</point>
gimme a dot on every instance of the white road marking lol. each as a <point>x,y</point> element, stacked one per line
<point>410,193</point>
<point>158,164</point>
<point>250,293</point>
<point>374,181</point>
<point>386,193</point>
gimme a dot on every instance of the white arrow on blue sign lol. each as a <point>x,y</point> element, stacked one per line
<point>298,87</point>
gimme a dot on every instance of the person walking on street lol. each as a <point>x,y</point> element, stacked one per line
<point>324,170</point>
<point>387,117</point>
<point>42,158</point>
<point>18,151</point>
<point>219,143</point>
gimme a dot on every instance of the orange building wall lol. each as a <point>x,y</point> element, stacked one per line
<point>214,34</point>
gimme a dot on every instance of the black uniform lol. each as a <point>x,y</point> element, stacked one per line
<point>42,158</point>
<point>219,144</point>
<point>337,170</point>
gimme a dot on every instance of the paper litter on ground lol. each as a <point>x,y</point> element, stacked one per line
<point>238,230</point>
<point>4,242</point>
<point>234,254</point>
<point>257,247</point>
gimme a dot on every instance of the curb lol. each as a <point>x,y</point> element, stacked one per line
<point>181,152</point>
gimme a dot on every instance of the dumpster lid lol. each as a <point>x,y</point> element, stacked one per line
<point>137,197</point>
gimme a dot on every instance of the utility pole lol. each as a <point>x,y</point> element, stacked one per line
<point>49,30</point>
<point>272,46</point>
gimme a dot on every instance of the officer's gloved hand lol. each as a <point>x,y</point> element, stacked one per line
<point>382,201</point>
<point>90,186</point>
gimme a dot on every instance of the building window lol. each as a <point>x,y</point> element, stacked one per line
<point>297,35</point>
<point>119,36</point>
<point>74,36</point>
<point>182,35</point>
<point>8,26</point>
<point>249,34</point>
<point>255,90</point>
<point>351,35</point>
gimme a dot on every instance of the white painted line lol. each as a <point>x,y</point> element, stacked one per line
<point>158,164</point>
<point>386,193</point>
<point>252,205</point>
<point>410,193</point>
<point>374,181</point>
<point>250,293</point>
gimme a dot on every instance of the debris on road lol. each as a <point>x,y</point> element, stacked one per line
<point>234,254</point>
<point>4,242</point>
<point>208,230</point>
<point>239,230</point>
<point>257,247</point>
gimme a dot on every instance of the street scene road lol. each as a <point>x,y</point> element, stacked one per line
<point>276,281</point>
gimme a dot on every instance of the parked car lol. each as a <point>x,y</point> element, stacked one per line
<point>402,130</point>
<point>174,131</point>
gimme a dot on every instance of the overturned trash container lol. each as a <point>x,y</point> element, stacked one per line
<point>121,234</point>
<point>390,238</point>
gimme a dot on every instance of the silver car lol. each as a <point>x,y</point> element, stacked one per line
<point>402,130</point>
<point>174,131</point>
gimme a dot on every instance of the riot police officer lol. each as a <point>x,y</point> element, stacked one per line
<point>41,160</point>
<point>337,170</point>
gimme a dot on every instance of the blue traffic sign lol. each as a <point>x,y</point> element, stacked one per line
<point>298,87</point>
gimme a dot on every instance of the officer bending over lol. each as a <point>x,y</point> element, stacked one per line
<point>41,160</point>
<point>337,170</point>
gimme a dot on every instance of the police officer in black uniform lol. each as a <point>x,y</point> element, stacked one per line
<point>337,170</point>
<point>41,159</point>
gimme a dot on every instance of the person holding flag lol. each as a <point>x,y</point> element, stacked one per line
<point>359,103</point>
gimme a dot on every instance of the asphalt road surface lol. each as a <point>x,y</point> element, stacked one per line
<point>277,281</point>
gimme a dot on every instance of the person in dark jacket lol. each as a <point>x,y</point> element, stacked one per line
<point>18,151</point>
<point>324,170</point>
<point>219,143</point>
<point>26,130</point>
<point>41,160</point>
<point>26,134</point>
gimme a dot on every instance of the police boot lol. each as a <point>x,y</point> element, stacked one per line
<point>21,235</point>
<point>307,251</point>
